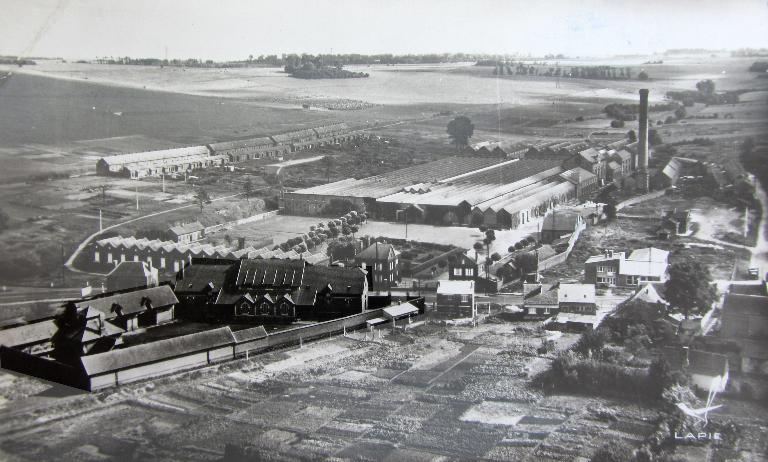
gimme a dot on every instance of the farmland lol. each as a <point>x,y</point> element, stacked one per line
<point>428,392</point>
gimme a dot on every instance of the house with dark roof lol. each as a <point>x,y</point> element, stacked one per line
<point>134,308</point>
<point>540,300</point>
<point>131,274</point>
<point>744,317</point>
<point>706,370</point>
<point>261,290</point>
<point>559,224</point>
<point>381,261</point>
<point>186,233</point>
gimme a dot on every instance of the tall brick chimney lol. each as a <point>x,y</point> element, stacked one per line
<point>642,142</point>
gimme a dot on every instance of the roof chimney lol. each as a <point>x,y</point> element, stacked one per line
<point>642,141</point>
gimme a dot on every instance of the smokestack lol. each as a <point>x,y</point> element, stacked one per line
<point>642,141</point>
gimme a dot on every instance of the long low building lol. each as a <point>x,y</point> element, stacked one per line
<point>179,160</point>
<point>155,163</point>
<point>170,256</point>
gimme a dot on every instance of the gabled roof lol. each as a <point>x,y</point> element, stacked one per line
<point>648,294</point>
<point>124,358</point>
<point>254,143</point>
<point>604,257</point>
<point>561,221</point>
<point>131,301</point>
<point>649,254</point>
<point>28,334</point>
<point>187,228</point>
<point>542,294</point>
<point>131,269</point>
<point>377,251</point>
<point>204,275</point>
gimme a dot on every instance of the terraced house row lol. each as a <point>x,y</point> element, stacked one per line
<point>180,160</point>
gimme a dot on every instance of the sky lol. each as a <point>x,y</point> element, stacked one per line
<point>234,29</point>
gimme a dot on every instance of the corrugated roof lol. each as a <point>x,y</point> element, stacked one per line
<point>199,275</point>
<point>125,358</point>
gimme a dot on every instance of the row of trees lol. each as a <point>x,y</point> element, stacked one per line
<point>309,70</point>
<point>579,72</point>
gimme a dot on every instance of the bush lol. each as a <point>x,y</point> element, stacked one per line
<point>617,123</point>
<point>612,451</point>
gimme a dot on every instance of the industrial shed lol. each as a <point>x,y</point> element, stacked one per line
<point>162,357</point>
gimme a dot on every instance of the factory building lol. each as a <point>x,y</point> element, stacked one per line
<point>469,190</point>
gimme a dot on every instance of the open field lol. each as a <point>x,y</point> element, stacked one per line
<point>432,392</point>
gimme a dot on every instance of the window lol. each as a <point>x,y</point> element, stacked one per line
<point>464,298</point>
<point>149,261</point>
<point>162,262</point>
<point>96,257</point>
<point>175,266</point>
<point>469,271</point>
<point>135,258</point>
<point>457,271</point>
<point>109,257</point>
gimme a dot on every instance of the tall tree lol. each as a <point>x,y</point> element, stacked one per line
<point>690,287</point>
<point>248,189</point>
<point>202,198</point>
<point>460,130</point>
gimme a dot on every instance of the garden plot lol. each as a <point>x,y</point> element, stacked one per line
<point>494,413</point>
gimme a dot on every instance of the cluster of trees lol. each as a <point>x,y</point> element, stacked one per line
<point>577,72</point>
<point>759,66</point>
<point>311,71</point>
<point>15,60</point>
<point>339,207</point>
<point>460,130</point>
<point>705,93</point>
<point>628,112</point>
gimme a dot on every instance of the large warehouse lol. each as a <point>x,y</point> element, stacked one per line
<point>494,191</point>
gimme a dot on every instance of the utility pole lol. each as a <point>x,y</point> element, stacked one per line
<point>137,198</point>
<point>162,176</point>
<point>101,225</point>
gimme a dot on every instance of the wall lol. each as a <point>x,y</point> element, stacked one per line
<point>45,369</point>
<point>561,257</point>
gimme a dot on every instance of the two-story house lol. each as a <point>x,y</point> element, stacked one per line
<point>616,269</point>
<point>455,298</point>
<point>381,261</point>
